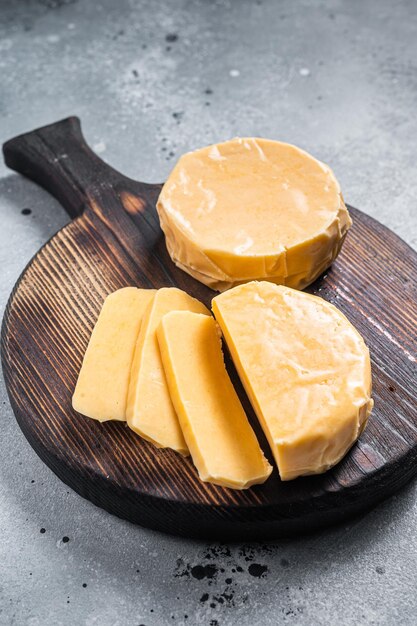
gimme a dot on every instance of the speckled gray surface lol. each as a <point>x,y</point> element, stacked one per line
<point>149,81</point>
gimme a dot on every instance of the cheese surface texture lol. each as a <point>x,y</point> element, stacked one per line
<point>305,369</point>
<point>149,411</point>
<point>221,441</point>
<point>102,385</point>
<point>252,209</point>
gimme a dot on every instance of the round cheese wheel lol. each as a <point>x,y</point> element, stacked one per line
<point>252,209</point>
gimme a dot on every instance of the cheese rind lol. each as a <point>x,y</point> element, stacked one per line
<point>306,371</point>
<point>250,209</point>
<point>102,385</point>
<point>150,412</point>
<point>221,441</point>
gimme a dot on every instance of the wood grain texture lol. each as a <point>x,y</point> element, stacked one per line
<point>114,240</point>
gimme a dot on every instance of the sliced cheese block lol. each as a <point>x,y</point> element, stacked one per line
<point>150,412</point>
<point>221,441</point>
<point>251,209</point>
<point>102,385</point>
<point>305,369</point>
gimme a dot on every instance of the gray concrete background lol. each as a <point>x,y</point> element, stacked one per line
<point>149,81</point>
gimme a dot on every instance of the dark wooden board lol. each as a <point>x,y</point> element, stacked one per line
<point>114,240</point>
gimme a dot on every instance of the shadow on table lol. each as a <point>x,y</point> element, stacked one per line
<point>23,203</point>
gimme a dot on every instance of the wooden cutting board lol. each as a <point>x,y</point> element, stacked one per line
<point>114,240</point>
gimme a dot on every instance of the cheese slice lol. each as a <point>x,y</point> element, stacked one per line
<point>150,412</point>
<point>305,369</point>
<point>221,441</point>
<point>103,381</point>
<point>251,209</point>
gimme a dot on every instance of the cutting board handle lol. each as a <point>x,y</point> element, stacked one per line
<point>58,158</point>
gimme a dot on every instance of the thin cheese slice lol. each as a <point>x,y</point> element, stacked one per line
<point>221,441</point>
<point>150,412</point>
<point>103,381</point>
<point>305,369</point>
<point>252,209</point>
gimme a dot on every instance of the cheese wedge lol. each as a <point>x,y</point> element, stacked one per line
<point>252,209</point>
<point>305,369</point>
<point>221,441</point>
<point>102,385</point>
<point>150,412</point>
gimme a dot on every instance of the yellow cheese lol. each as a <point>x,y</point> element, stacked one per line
<point>221,441</point>
<point>252,209</point>
<point>305,369</point>
<point>149,410</point>
<point>102,385</point>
